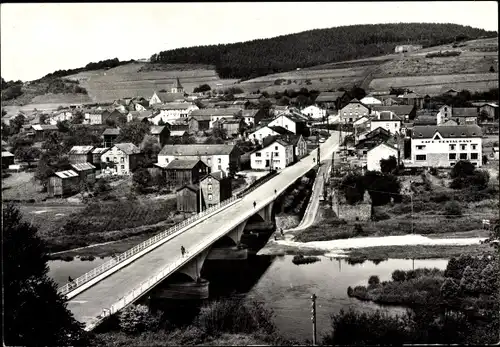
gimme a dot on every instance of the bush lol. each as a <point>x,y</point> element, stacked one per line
<point>137,318</point>
<point>373,281</point>
<point>375,328</point>
<point>399,276</point>
<point>452,208</point>
<point>358,229</point>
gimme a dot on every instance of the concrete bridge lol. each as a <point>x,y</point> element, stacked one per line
<point>102,292</point>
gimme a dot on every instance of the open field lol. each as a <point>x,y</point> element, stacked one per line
<point>140,79</point>
<point>21,186</point>
<point>61,99</point>
<point>433,84</point>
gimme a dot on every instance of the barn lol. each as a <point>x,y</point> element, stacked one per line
<point>63,183</point>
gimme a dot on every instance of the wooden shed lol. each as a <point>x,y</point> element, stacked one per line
<point>63,183</point>
<point>181,172</point>
<point>188,197</point>
<point>86,172</point>
<point>80,154</point>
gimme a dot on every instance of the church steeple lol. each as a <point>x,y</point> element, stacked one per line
<point>177,87</point>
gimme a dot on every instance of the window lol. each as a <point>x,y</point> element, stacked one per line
<point>115,160</point>
<point>220,167</point>
<point>209,160</point>
<point>166,160</point>
<point>258,162</point>
<point>474,147</point>
<point>421,147</point>
<point>473,156</point>
<point>452,156</point>
<point>123,167</point>
<point>445,109</point>
<point>463,147</point>
<point>276,161</point>
<point>122,160</point>
<point>277,154</point>
<point>421,157</point>
<point>350,119</point>
<point>210,197</point>
<point>219,160</point>
<point>452,147</point>
<point>209,187</point>
<point>275,148</point>
<point>210,180</point>
<point>258,154</point>
<point>463,156</point>
<point>286,126</point>
<point>107,159</point>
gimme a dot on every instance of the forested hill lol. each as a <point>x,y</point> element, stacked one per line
<point>255,58</point>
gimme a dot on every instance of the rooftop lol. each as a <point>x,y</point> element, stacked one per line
<point>112,131</point>
<point>453,131</point>
<point>83,166</point>
<point>195,150</point>
<point>183,164</point>
<point>128,148</point>
<point>81,150</point>
<point>66,174</point>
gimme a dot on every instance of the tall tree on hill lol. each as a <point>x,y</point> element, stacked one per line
<point>34,313</point>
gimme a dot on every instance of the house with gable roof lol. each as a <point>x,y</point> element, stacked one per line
<point>80,154</point>
<point>160,133</point>
<point>171,111</point>
<point>352,111</point>
<point>382,151</point>
<point>215,188</point>
<point>387,120</point>
<point>165,97</point>
<point>443,146</point>
<point>121,159</point>
<point>276,155</point>
<point>216,157</point>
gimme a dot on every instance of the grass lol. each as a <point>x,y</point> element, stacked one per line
<point>416,252</point>
<point>22,186</point>
<point>111,221</point>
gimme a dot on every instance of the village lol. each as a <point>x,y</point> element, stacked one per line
<point>200,137</point>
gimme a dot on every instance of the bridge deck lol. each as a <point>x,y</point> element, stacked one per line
<point>90,303</point>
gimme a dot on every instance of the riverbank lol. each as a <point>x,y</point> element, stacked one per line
<point>378,248</point>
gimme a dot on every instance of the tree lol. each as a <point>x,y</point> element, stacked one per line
<point>17,123</point>
<point>233,168</point>
<point>453,208</point>
<point>388,165</point>
<point>353,188</point>
<point>382,187</point>
<point>133,132</point>
<point>470,280</point>
<point>220,133</point>
<point>142,179</point>
<point>150,147</point>
<point>462,169</point>
<point>137,318</point>
<point>202,88</point>
<point>63,126</point>
<point>29,294</point>
<point>78,117</point>
<point>27,154</point>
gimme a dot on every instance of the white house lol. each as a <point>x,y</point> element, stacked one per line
<point>277,155</point>
<point>289,122</point>
<point>314,112</point>
<point>60,116</point>
<point>443,146</point>
<point>173,111</point>
<point>216,157</point>
<point>444,114</point>
<point>370,101</point>
<point>382,151</point>
<point>387,120</point>
<point>264,131</point>
<point>164,97</point>
<point>121,159</point>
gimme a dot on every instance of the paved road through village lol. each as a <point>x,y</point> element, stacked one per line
<point>87,305</point>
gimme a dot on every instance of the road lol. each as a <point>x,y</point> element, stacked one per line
<point>313,206</point>
<point>89,304</point>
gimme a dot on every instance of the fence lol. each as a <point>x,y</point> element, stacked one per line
<point>257,183</point>
<point>148,284</point>
<point>138,248</point>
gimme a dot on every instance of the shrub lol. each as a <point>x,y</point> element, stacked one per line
<point>137,318</point>
<point>470,280</point>
<point>452,208</point>
<point>375,328</point>
<point>399,276</point>
<point>373,280</point>
<point>379,215</point>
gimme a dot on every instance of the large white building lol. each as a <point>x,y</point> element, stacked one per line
<point>387,120</point>
<point>315,112</point>
<point>172,111</point>
<point>443,146</point>
<point>262,132</point>
<point>277,155</point>
<point>370,101</point>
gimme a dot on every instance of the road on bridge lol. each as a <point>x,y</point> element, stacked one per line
<point>89,304</point>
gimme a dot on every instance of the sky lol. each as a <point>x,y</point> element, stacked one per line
<point>37,39</point>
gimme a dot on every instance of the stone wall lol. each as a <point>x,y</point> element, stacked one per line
<point>362,211</point>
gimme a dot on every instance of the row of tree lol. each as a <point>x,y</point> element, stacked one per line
<point>246,60</point>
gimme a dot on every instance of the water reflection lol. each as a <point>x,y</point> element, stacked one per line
<point>280,285</point>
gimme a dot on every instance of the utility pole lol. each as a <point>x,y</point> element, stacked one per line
<point>411,200</point>
<point>319,149</point>
<point>313,317</point>
<point>333,164</point>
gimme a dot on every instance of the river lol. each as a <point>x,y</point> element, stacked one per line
<point>285,287</point>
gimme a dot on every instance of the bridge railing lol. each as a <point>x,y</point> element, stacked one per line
<point>68,287</point>
<point>149,283</point>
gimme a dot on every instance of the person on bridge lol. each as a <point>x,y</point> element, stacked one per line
<point>254,204</point>
<point>281,232</point>
<point>70,279</point>
<point>314,160</point>
<point>183,250</point>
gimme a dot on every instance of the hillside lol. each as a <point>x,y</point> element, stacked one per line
<point>470,70</point>
<point>246,60</point>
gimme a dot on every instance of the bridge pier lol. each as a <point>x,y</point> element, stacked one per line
<point>267,212</point>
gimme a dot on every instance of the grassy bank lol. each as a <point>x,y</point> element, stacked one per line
<point>111,221</point>
<point>417,252</point>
